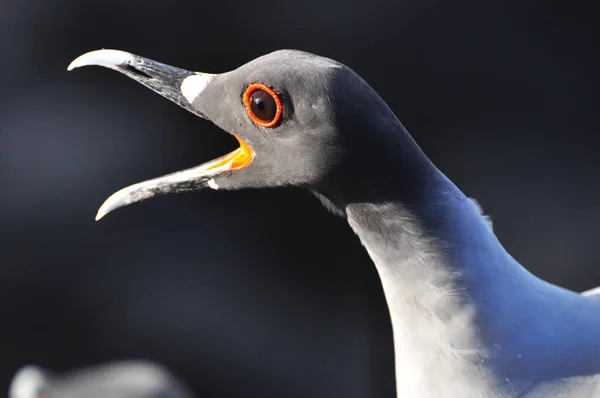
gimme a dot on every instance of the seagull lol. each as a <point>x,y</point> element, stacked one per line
<point>468,320</point>
<point>116,379</point>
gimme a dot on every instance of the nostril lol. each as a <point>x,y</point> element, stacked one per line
<point>137,72</point>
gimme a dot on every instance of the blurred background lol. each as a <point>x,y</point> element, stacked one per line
<point>263,293</point>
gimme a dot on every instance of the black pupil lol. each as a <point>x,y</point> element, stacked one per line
<point>263,105</point>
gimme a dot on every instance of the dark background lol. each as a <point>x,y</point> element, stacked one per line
<point>262,293</point>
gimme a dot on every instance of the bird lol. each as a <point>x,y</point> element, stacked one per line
<point>115,379</point>
<point>468,320</point>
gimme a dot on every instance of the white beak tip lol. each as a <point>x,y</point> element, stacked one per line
<point>99,216</point>
<point>106,208</point>
<point>107,58</point>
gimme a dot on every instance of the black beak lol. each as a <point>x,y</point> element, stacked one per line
<point>163,79</point>
<point>182,87</point>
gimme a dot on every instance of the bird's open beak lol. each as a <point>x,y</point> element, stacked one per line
<point>180,86</point>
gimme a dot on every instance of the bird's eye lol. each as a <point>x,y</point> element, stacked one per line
<point>263,105</point>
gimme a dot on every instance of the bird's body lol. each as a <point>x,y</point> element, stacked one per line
<point>468,320</point>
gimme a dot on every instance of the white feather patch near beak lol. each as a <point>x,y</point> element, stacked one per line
<point>193,85</point>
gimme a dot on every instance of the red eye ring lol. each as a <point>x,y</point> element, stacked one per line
<point>247,98</point>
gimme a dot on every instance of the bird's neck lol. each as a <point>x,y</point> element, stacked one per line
<point>438,261</point>
<point>431,283</point>
<point>463,311</point>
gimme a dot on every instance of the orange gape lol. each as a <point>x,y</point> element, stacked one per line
<point>239,158</point>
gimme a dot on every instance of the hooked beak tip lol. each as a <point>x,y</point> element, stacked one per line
<point>76,63</point>
<point>99,215</point>
<point>107,58</point>
<point>103,210</point>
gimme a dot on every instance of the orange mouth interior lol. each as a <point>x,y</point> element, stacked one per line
<point>235,160</point>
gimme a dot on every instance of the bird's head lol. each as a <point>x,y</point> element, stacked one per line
<point>283,108</point>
